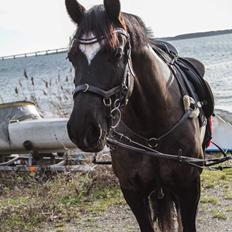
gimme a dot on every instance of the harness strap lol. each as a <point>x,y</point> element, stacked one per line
<point>155,141</point>
<point>95,90</point>
<point>151,152</point>
<point>194,162</point>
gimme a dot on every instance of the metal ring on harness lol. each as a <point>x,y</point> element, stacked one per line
<point>117,104</point>
<point>153,142</point>
<point>107,102</point>
<point>115,114</point>
<point>87,88</point>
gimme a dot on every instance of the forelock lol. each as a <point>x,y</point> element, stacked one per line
<point>97,22</point>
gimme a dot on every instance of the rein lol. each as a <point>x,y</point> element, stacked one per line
<point>149,147</point>
<point>130,144</point>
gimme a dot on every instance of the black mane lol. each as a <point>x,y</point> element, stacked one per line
<point>139,33</point>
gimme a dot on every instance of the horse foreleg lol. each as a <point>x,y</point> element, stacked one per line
<point>189,198</point>
<point>139,206</point>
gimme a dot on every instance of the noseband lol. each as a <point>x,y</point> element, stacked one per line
<point>115,98</point>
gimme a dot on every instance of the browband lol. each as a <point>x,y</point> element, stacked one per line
<point>118,30</point>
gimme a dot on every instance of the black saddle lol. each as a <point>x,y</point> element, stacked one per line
<point>194,71</point>
<point>190,70</point>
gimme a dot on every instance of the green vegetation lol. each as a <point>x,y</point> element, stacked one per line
<point>210,199</point>
<point>29,201</point>
<point>211,179</point>
<point>219,214</point>
<point>217,193</point>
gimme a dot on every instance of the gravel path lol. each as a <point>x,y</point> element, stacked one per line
<point>120,219</point>
<point>214,214</point>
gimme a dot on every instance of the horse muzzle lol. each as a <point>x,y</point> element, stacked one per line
<point>91,139</point>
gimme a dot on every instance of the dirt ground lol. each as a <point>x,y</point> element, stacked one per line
<point>120,218</point>
<point>94,203</point>
<point>214,213</point>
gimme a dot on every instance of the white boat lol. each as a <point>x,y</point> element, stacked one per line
<point>221,133</point>
<point>31,143</point>
<point>22,128</point>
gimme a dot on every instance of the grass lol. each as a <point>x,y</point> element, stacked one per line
<point>60,199</point>
<point>228,196</point>
<point>218,214</point>
<point>228,209</point>
<point>216,193</point>
<point>211,179</point>
<point>210,199</point>
<point>29,201</point>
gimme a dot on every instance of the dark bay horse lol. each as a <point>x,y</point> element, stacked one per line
<point>122,83</point>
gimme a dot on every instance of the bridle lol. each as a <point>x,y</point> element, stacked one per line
<point>115,98</point>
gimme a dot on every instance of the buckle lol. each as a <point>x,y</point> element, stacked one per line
<point>86,88</point>
<point>153,142</point>
<point>107,102</point>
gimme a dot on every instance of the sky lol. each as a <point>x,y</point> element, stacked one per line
<point>32,25</point>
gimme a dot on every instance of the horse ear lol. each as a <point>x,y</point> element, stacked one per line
<point>113,8</point>
<point>75,10</point>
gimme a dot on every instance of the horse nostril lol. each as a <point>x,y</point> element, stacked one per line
<point>93,135</point>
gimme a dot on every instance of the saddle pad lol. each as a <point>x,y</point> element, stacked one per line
<point>192,71</point>
<point>201,86</point>
<point>166,47</point>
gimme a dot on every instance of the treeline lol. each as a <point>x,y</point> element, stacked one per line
<point>198,34</point>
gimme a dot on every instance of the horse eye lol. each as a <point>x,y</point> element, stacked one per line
<point>70,57</point>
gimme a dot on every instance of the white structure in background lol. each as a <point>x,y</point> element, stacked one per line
<point>222,135</point>
<point>21,122</point>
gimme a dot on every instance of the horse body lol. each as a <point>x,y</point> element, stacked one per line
<point>152,187</point>
<point>150,112</point>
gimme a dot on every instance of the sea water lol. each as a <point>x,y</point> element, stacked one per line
<point>216,54</point>
<point>48,79</point>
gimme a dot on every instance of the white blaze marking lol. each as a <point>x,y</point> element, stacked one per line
<point>90,50</point>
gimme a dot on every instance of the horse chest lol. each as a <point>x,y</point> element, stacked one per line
<point>135,171</point>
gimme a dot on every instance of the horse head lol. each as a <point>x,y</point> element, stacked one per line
<point>100,53</point>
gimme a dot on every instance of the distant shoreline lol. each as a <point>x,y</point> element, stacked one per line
<point>170,38</point>
<point>198,35</point>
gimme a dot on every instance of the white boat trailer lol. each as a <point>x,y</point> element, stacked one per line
<point>31,143</point>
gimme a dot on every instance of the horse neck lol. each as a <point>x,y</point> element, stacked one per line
<point>151,104</point>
